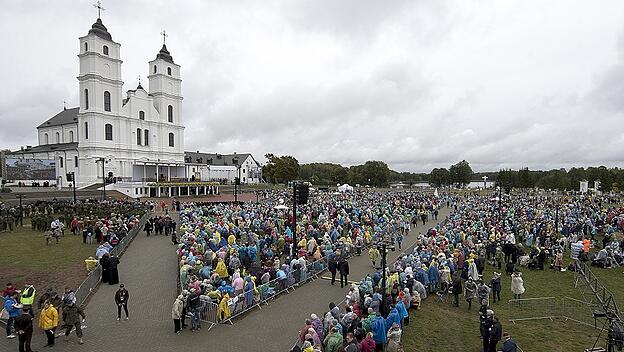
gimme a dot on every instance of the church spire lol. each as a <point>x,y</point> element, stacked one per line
<point>164,53</point>
<point>98,5</point>
<point>98,27</point>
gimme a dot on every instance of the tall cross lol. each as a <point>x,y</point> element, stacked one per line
<point>139,79</point>
<point>98,5</point>
<point>164,34</point>
<point>64,105</point>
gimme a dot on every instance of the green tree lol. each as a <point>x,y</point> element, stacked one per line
<point>524,178</point>
<point>439,177</point>
<point>461,173</point>
<point>280,169</point>
<point>507,179</point>
<point>376,173</point>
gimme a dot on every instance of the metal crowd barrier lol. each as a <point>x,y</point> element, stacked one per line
<point>88,286</point>
<point>533,308</point>
<point>266,292</point>
<point>239,304</point>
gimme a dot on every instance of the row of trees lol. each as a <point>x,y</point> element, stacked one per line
<point>281,169</point>
<point>611,179</point>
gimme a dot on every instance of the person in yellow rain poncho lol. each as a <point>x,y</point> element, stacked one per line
<point>221,269</point>
<point>91,264</point>
<point>48,321</point>
<point>368,238</point>
<point>373,254</point>
<point>224,308</point>
<point>303,243</point>
<point>391,280</point>
<point>231,239</point>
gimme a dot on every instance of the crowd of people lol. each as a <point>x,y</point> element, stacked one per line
<point>521,231</point>
<point>235,255</point>
<point>106,223</point>
<point>55,313</point>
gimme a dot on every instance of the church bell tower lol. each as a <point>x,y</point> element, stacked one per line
<point>165,85</point>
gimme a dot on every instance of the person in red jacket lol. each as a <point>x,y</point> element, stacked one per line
<point>9,290</point>
<point>368,344</point>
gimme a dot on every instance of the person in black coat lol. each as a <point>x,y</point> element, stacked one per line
<point>112,270</point>
<point>343,267</point>
<point>456,290</point>
<point>104,264</point>
<point>24,326</point>
<point>121,299</point>
<point>148,227</point>
<point>485,322</point>
<point>496,286</point>
<point>333,266</point>
<point>496,331</point>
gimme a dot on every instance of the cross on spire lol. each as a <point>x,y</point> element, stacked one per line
<point>164,35</point>
<point>64,105</point>
<point>139,78</point>
<point>98,5</point>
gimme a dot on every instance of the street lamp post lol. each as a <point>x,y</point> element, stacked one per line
<point>557,217</point>
<point>103,161</point>
<point>236,179</point>
<point>383,247</point>
<point>500,207</point>
<point>294,222</point>
<point>20,196</point>
<point>72,175</point>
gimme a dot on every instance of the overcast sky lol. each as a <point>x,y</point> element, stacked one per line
<point>418,84</point>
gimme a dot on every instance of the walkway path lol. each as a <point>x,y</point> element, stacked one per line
<point>148,269</point>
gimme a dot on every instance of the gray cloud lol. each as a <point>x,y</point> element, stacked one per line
<point>419,84</point>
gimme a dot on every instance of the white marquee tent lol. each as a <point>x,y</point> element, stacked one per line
<point>345,188</point>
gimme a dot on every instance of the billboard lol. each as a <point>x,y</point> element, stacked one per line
<point>29,169</point>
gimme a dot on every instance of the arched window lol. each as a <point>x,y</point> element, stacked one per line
<point>170,113</point>
<point>155,69</point>
<point>86,130</point>
<point>169,71</point>
<point>46,139</point>
<point>141,115</point>
<point>146,139</point>
<point>71,136</point>
<point>139,135</point>
<point>107,104</point>
<point>86,46</point>
<point>58,137</point>
<point>61,162</point>
<point>105,50</point>
<point>76,161</point>
<point>108,132</point>
<point>171,141</point>
<point>86,95</point>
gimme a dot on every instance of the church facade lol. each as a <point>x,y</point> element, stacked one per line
<point>134,141</point>
<point>139,136</point>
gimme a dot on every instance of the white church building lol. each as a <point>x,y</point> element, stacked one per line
<point>134,141</point>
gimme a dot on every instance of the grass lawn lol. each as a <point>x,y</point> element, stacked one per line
<point>25,256</point>
<point>438,326</point>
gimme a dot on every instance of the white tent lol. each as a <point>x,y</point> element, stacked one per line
<point>280,207</point>
<point>345,188</point>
